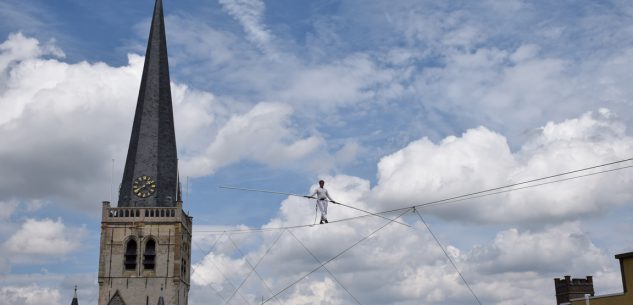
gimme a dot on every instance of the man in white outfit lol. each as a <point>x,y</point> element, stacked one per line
<point>322,198</point>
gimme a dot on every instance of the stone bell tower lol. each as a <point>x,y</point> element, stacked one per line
<point>145,253</point>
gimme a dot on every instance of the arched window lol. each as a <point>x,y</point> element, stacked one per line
<point>130,255</point>
<point>149,259</point>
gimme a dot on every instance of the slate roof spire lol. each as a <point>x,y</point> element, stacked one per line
<point>74,301</point>
<point>150,177</point>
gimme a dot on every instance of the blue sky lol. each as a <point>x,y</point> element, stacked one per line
<point>391,102</point>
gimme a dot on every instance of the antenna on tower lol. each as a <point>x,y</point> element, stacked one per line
<point>178,198</point>
<point>187,189</point>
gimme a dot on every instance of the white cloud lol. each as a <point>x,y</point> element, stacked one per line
<point>249,14</point>
<point>29,295</point>
<point>444,61</point>
<point>45,100</point>
<point>51,115</point>
<point>420,169</point>
<point>437,28</point>
<point>348,153</point>
<point>347,81</point>
<point>42,240</point>
<point>56,144</point>
<point>13,209</point>
<point>199,40</point>
<point>443,66</point>
<point>543,252</point>
<point>481,159</point>
<point>317,292</point>
<point>512,90</point>
<point>312,87</point>
<point>17,47</point>
<point>403,266</point>
<point>605,82</point>
<point>213,268</point>
<point>22,288</point>
<point>486,87</point>
<point>198,114</point>
<point>263,134</point>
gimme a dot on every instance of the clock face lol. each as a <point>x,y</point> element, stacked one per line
<point>144,186</point>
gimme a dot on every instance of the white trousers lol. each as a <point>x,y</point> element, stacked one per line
<point>322,204</point>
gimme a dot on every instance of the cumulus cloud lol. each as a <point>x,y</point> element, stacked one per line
<point>17,47</point>
<point>544,252</point>
<point>212,262</point>
<point>322,292</point>
<point>56,142</point>
<point>52,116</point>
<point>42,240</point>
<point>481,159</point>
<point>420,169</point>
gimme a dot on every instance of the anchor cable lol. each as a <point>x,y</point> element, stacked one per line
<point>335,257</point>
<point>447,256</point>
<point>253,268</point>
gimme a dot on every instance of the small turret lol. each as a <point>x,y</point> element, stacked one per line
<point>568,288</point>
<point>75,302</point>
<point>161,300</point>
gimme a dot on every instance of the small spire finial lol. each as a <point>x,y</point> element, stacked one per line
<point>161,299</point>
<point>74,301</point>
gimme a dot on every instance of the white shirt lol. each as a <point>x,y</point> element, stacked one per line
<point>321,194</point>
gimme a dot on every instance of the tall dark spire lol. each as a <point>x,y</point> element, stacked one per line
<point>150,176</point>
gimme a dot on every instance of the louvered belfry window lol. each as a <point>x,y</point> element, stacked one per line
<point>149,259</point>
<point>130,255</point>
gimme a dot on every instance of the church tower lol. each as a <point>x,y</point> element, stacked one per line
<point>145,253</point>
